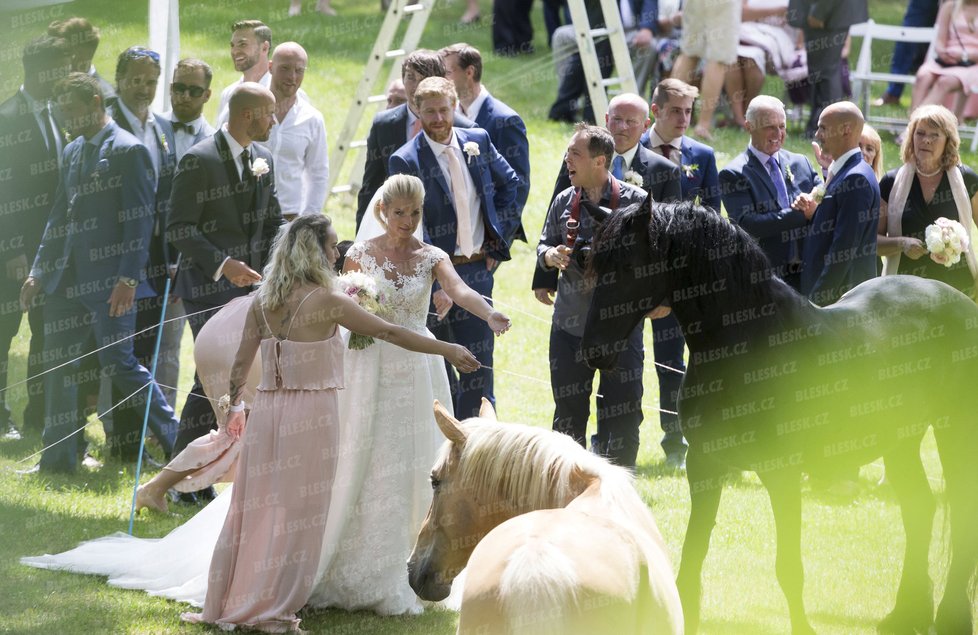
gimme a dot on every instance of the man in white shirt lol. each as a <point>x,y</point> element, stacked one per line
<point>298,142</point>
<point>251,42</point>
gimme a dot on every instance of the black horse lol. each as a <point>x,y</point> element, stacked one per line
<point>779,386</point>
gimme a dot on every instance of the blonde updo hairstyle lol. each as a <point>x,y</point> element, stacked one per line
<point>942,119</point>
<point>298,256</point>
<point>398,187</point>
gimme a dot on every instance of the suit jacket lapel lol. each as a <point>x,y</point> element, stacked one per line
<point>472,164</point>
<point>224,152</point>
<point>426,156</point>
<point>761,173</point>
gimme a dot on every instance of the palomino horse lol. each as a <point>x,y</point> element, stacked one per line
<point>779,386</point>
<point>560,541</point>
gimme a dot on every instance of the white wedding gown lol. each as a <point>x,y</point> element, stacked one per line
<point>381,492</point>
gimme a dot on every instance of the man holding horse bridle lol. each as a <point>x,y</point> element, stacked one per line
<point>570,222</point>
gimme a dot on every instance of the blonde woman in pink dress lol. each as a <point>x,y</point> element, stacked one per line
<point>264,565</point>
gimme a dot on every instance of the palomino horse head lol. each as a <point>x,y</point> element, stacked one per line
<point>485,474</point>
<point>626,269</point>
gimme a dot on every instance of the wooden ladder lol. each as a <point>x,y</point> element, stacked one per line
<point>622,79</point>
<point>418,11</point>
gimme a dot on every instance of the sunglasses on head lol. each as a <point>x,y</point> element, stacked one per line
<point>137,52</point>
<point>180,88</point>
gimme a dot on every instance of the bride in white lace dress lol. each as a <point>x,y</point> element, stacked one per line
<point>388,426</point>
<point>386,446</point>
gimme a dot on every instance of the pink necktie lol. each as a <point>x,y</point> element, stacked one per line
<point>415,129</point>
<point>464,233</point>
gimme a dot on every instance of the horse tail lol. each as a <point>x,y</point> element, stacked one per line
<point>537,587</point>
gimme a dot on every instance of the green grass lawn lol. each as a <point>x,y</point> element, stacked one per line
<point>853,550</point>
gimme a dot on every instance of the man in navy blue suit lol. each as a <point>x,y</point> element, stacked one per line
<point>137,74</point>
<point>392,128</point>
<point>760,185</point>
<point>471,211</point>
<point>672,108</point>
<point>29,175</point>
<point>91,259</point>
<point>463,66</point>
<point>840,249</point>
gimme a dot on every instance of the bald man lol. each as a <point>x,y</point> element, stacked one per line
<point>224,215</point>
<point>298,142</point>
<point>839,250</point>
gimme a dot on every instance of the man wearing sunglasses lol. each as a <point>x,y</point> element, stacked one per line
<point>189,91</point>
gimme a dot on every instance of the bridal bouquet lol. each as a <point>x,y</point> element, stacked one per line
<point>946,240</point>
<point>363,289</point>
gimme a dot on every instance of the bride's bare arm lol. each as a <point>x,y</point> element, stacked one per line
<point>349,314</point>
<point>464,296</point>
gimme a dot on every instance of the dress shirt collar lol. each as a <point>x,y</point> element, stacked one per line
<point>439,148</point>
<point>97,139</point>
<point>628,156</point>
<point>763,158</point>
<point>194,125</point>
<point>473,110</point>
<point>233,145</point>
<point>35,105</point>
<point>655,140</point>
<point>836,165</point>
<point>134,121</point>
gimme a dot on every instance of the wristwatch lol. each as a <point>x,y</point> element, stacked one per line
<point>129,282</point>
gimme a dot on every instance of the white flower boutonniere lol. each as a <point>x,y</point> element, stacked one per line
<point>471,149</point>
<point>818,194</point>
<point>259,167</point>
<point>634,178</point>
<point>690,169</point>
<point>166,147</point>
<point>789,176</point>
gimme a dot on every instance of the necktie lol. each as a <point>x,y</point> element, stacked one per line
<point>415,129</point>
<point>245,165</point>
<point>617,167</point>
<point>666,150</point>
<point>775,172</point>
<point>464,233</point>
<point>51,131</point>
<point>185,127</point>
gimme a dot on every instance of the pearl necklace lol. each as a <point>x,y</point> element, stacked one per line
<point>927,175</point>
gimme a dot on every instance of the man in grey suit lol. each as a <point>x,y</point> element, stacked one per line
<point>223,216</point>
<point>392,128</point>
<point>825,24</point>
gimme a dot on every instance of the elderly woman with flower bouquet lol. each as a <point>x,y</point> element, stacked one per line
<point>928,205</point>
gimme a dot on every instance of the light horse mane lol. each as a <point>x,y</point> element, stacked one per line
<point>535,468</point>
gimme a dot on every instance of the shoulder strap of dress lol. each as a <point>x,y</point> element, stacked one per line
<point>299,306</point>
<point>261,307</point>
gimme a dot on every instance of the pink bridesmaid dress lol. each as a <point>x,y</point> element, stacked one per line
<point>265,562</point>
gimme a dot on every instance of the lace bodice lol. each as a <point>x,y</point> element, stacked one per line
<point>407,289</point>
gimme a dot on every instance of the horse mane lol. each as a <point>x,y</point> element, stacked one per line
<point>712,247</point>
<point>535,468</point>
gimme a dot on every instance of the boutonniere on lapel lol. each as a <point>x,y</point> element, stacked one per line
<point>166,147</point>
<point>67,135</point>
<point>818,194</point>
<point>690,169</point>
<point>471,149</point>
<point>634,178</point>
<point>789,176</point>
<point>259,167</point>
<point>100,167</point>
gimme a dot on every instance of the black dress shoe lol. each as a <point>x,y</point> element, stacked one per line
<point>183,498</point>
<point>206,495</point>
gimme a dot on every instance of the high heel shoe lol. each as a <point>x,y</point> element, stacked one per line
<point>144,499</point>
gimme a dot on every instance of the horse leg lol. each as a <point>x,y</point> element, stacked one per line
<point>705,479</point>
<point>784,489</point>
<point>914,607</point>
<point>954,614</point>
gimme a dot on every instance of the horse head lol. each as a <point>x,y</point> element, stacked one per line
<point>455,523</point>
<point>626,269</point>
